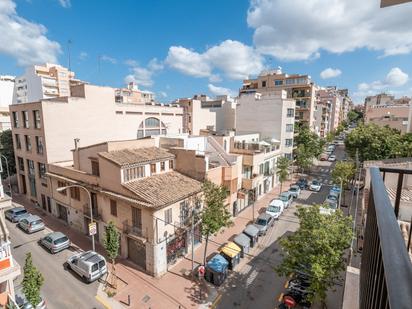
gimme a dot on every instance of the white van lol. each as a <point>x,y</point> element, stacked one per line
<point>89,265</point>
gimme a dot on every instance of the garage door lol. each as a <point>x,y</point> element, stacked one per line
<point>137,252</point>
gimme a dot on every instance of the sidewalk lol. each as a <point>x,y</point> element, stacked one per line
<point>175,289</point>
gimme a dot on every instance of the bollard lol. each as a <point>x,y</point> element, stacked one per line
<point>128,299</point>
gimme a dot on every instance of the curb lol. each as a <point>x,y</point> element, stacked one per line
<point>108,303</point>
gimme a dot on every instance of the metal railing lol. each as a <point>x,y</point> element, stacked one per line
<point>386,269</point>
<point>132,229</point>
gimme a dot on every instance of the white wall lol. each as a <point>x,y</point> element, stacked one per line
<point>6,91</point>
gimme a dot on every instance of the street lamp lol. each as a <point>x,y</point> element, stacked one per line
<point>61,189</point>
<point>8,174</point>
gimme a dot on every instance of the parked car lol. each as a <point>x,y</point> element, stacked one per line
<point>315,185</point>
<point>89,265</point>
<point>31,224</point>
<point>332,158</point>
<point>302,183</point>
<point>23,303</point>
<point>324,156</point>
<point>17,213</point>
<point>55,242</point>
<point>286,198</point>
<point>295,191</point>
<point>327,209</point>
<point>263,222</point>
<point>275,208</point>
<point>335,190</point>
<point>332,200</point>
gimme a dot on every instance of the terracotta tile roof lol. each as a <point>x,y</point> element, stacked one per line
<point>164,189</point>
<point>136,156</point>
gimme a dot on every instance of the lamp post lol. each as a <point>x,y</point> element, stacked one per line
<point>60,189</point>
<point>8,174</point>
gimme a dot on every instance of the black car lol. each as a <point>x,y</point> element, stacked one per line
<point>302,183</point>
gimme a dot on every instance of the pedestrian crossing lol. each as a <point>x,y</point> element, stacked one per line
<point>325,181</point>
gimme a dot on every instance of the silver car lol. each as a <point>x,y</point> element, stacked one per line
<point>16,214</point>
<point>23,303</point>
<point>31,224</point>
<point>55,242</point>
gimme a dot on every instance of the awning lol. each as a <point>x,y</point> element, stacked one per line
<point>242,240</point>
<point>274,140</point>
<point>231,249</point>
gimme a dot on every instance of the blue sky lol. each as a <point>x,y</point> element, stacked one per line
<point>179,48</point>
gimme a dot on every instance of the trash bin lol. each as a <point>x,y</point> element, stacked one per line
<point>253,233</point>
<point>243,241</point>
<point>216,269</point>
<point>231,252</point>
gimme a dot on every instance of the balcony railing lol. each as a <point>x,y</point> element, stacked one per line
<point>386,268</point>
<point>256,147</point>
<point>133,229</point>
<point>95,212</point>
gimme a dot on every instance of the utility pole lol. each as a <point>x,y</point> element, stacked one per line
<point>193,240</point>
<point>69,42</point>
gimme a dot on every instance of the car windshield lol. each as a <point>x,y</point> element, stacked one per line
<point>315,183</point>
<point>293,189</point>
<point>274,208</point>
<point>37,222</point>
<point>20,212</point>
<point>332,198</point>
<point>261,222</point>
<point>284,198</point>
<point>60,240</point>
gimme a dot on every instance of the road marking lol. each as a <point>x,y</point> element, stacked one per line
<point>216,302</point>
<point>280,297</point>
<point>103,302</point>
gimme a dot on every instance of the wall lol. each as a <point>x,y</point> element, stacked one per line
<point>202,118</point>
<point>190,164</point>
<point>398,116</point>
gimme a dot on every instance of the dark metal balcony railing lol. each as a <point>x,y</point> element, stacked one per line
<point>132,229</point>
<point>386,269</point>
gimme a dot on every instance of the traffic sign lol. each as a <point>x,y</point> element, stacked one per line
<point>201,271</point>
<point>92,228</point>
<point>289,301</point>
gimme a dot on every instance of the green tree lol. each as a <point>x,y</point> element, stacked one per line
<point>342,173</point>
<point>7,150</point>
<point>32,281</point>
<point>282,171</point>
<point>330,136</point>
<point>111,243</point>
<point>303,158</point>
<point>353,116</point>
<point>317,248</point>
<point>406,145</point>
<point>312,143</point>
<point>214,214</point>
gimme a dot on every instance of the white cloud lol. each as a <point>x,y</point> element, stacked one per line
<point>216,90</point>
<point>330,73</point>
<point>83,56</point>
<point>65,3</point>
<point>300,29</point>
<point>24,40</point>
<point>394,79</point>
<point>143,76</point>
<point>163,94</point>
<point>107,58</point>
<point>234,59</point>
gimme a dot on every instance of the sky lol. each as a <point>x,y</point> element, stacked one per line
<point>181,48</point>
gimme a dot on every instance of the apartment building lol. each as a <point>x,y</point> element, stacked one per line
<point>395,116</point>
<point>298,87</point>
<point>6,98</point>
<point>133,95</point>
<point>224,108</point>
<point>42,82</point>
<point>347,103</point>
<point>45,131</point>
<point>330,101</point>
<point>271,114</point>
<point>384,99</point>
<point>322,117</point>
<point>135,185</point>
<point>9,268</point>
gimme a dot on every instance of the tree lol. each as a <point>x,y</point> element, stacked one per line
<point>303,158</point>
<point>111,243</point>
<point>214,214</point>
<point>7,150</point>
<point>406,145</point>
<point>32,281</point>
<point>282,171</point>
<point>317,248</point>
<point>354,116</point>
<point>342,174</point>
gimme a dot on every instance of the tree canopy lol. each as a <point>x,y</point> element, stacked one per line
<point>343,172</point>
<point>7,150</point>
<point>111,243</point>
<point>282,170</point>
<point>317,249</point>
<point>32,281</point>
<point>309,146</point>
<point>354,116</point>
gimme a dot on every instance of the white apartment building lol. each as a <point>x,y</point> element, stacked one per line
<point>133,95</point>
<point>6,98</point>
<point>272,115</point>
<point>42,82</point>
<point>224,108</point>
<point>46,131</point>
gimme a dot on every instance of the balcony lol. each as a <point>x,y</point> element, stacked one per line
<point>249,184</point>
<point>132,229</point>
<point>95,212</point>
<point>386,268</point>
<point>251,148</point>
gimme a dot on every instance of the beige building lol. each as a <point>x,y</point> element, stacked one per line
<point>329,111</point>
<point>135,185</point>
<point>272,115</point>
<point>224,108</point>
<point>42,82</point>
<point>395,116</point>
<point>298,87</point>
<point>132,95</point>
<point>45,131</point>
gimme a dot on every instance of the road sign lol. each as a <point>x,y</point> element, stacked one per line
<point>92,228</point>
<point>289,301</point>
<point>201,271</point>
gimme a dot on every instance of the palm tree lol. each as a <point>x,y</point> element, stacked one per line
<point>283,164</point>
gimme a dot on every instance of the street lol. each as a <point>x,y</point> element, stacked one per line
<point>62,288</point>
<point>256,285</point>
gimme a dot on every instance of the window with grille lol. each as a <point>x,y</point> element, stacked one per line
<point>168,216</point>
<point>113,208</point>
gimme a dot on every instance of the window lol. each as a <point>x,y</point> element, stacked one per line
<point>162,166</point>
<point>261,168</point>
<point>75,193</point>
<point>168,216</point>
<point>15,119</point>
<point>28,142</point>
<point>184,211</point>
<point>133,173</point>
<point>289,128</point>
<point>170,164</point>
<point>278,82</point>
<point>42,170</point>
<point>21,163</point>
<point>95,168</point>
<point>264,83</point>
<point>30,164</point>
<point>39,144</point>
<point>62,184</point>
<point>25,119</point>
<point>36,117</point>
<point>136,217</point>
<point>152,123</point>
<point>153,168</point>
<point>288,142</point>
<point>113,208</point>
<point>18,142</point>
<point>290,112</point>
<point>151,126</point>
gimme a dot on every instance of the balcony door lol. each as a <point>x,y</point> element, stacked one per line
<point>137,217</point>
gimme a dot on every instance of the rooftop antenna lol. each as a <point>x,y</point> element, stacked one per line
<point>69,42</point>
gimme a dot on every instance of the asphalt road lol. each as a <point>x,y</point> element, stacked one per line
<point>62,288</point>
<point>257,285</point>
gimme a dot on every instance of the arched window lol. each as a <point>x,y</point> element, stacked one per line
<point>151,126</point>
